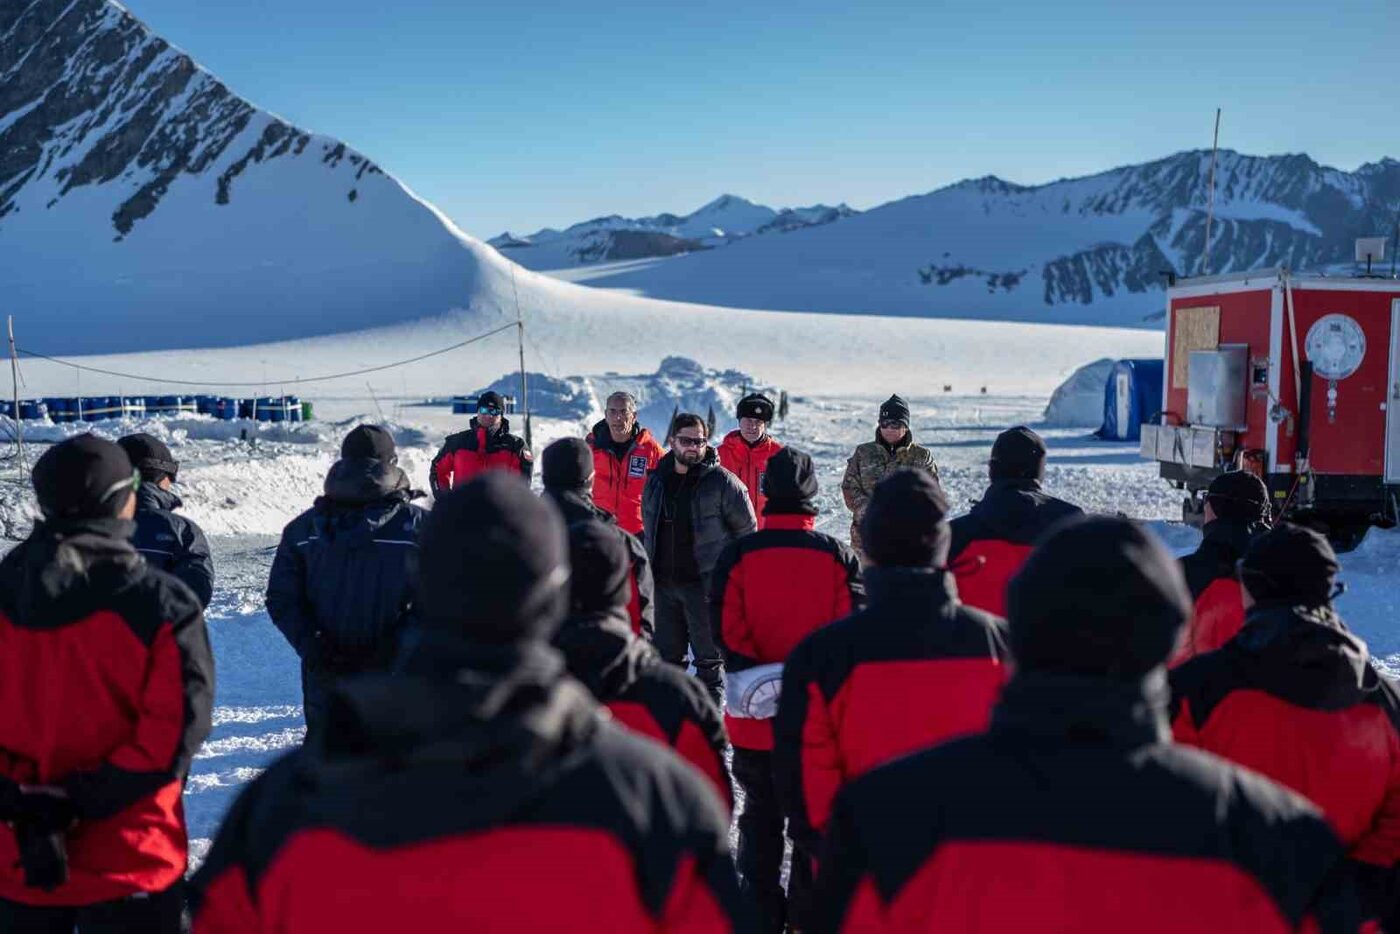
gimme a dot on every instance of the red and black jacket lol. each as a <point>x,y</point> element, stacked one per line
<point>993,540</point>
<point>106,690</point>
<point>749,462</point>
<point>1215,588</point>
<point>476,450</point>
<point>620,476</point>
<point>914,668</point>
<point>578,506</point>
<point>1074,812</point>
<point>479,790</point>
<point>769,591</point>
<point>645,694</point>
<point>1295,697</point>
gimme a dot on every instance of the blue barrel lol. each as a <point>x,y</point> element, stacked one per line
<point>292,406</point>
<point>268,409</point>
<point>225,409</point>
<point>33,410</point>
<point>162,405</point>
<point>463,405</point>
<point>7,408</point>
<point>58,410</point>
<point>131,407</point>
<point>247,408</point>
<point>206,405</point>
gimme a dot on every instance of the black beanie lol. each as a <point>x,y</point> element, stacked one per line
<point>1017,454</point>
<point>790,484</point>
<point>493,562</point>
<point>895,409</point>
<point>1290,565</point>
<point>567,464</point>
<point>905,524</point>
<point>755,405</point>
<point>490,398</point>
<point>1098,596</point>
<point>84,477</point>
<point>600,567</point>
<point>1239,496</point>
<point>370,441</point>
<point>150,455</point>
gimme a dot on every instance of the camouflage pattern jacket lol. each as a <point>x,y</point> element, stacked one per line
<point>871,463</point>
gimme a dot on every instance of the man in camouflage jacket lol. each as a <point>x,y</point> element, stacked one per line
<point>893,447</point>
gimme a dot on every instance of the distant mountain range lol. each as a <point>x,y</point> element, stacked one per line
<point>1084,250</point>
<point>721,222</point>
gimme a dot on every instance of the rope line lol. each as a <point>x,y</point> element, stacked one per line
<point>269,382</point>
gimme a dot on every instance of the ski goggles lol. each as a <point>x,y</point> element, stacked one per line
<point>891,423</point>
<point>487,410</point>
<point>132,483</point>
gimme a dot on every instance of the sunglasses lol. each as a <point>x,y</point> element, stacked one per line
<point>891,423</point>
<point>685,442</point>
<point>488,410</point>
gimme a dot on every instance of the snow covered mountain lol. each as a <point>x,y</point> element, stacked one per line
<point>1078,250</point>
<point>143,204</point>
<point>724,220</point>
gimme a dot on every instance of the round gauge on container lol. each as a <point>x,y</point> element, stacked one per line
<point>1335,346</point>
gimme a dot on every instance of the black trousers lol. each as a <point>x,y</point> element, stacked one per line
<point>761,843</point>
<point>683,621</point>
<point>153,913</point>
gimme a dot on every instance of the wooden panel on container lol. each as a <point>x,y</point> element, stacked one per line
<point>1192,329</point>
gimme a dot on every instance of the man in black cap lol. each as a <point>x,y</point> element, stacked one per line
<point>1077,785</point>
<point>168,541</point>
<point>487,444</point>
<point>478,788</point>
<point>769,591</point>
<point>913,668</point>
<point>568,467</point>
<point>1236,512</point>
<point>1295,696</point>
<point>745,451</point>
<point>992,541</point>
<point>106,691</point>
<point>625,673</point>
<point>340,588</point>
<point>872,461</point>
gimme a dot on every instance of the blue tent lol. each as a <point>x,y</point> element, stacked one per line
<point>1132,396</point>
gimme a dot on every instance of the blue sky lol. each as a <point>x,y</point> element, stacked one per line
<point>525,114</point>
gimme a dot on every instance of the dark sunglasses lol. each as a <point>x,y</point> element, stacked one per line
<point>488,410</point>
<point>891,423</point>
<point>685,442</point>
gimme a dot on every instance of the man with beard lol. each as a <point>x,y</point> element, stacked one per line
<point>692,508</point>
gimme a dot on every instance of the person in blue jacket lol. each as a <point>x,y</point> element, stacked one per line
<point>166,539</point>
<point>341,585</point>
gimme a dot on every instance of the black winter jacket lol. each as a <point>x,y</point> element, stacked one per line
<point>341,584</point>
<point>720,510</point>
<point>172,542</point>
<point>477,790</point>
<point>578,506</point>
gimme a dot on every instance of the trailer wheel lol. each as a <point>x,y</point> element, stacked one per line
<point>1347,535</point>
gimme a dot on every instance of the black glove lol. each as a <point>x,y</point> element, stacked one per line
<point>43,818</point>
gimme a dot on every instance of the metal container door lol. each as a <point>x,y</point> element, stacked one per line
<point>1392,408</point>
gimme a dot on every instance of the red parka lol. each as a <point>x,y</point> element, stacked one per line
<point>619,478</point>
<point>1218,612</point>
<point>993,540</point>
<point>476,450</point>
<point>106,690</point>
<point>770,590</point>
<point>749,462</point>
<point>914,668</point>
<point>1295,697</point>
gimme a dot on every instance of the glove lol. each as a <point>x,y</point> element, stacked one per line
<point>43,818</point>
<point>9,800</point>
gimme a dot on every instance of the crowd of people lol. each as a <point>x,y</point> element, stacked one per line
<point>1020,718</point>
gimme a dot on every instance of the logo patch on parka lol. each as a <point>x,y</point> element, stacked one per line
<point>637,465</point>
